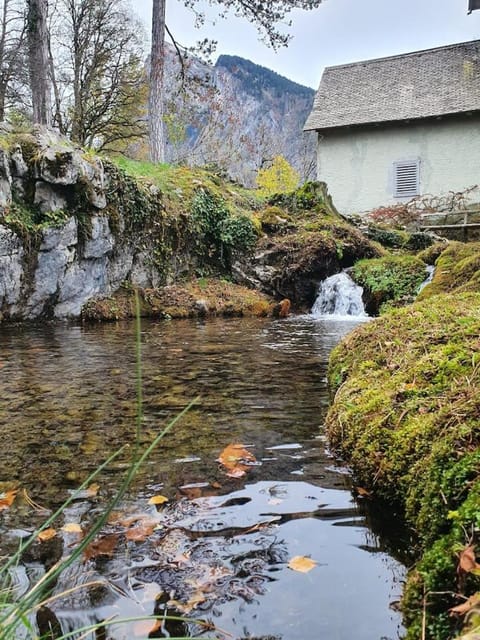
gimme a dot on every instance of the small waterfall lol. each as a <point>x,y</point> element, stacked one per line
<point>428,279</point>
<point>339,296</point>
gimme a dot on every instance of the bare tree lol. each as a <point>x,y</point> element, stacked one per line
<point>37,33</point>
<point>101,91</point>
<point>12,53</point>
<point>265,15</point>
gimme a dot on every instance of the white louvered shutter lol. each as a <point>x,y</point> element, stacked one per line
<point>406,178</point>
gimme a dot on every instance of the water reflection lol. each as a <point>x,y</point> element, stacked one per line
<point>222,545</point>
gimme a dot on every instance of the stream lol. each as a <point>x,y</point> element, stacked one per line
<point>221,548</point>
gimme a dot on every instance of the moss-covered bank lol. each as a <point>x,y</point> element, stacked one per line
<point>389,282</point>
<point>406,415</point>
<point>203,297</point>
<point>457,269</point>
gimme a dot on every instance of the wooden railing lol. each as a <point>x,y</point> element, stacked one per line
<point>449,222</point>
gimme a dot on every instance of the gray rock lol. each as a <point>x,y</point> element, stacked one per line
<point>18,164</point>
<point>50,269</point>
<point>201,307</point>
<point>119,267</point>
<point>81,281</point>
<point>60,238</point>
<point>11,267</point>
<point>93,173</point>
<point>49,198</point>
<point>59,165</point>
<point>101,241</point>
<point>5,179</point>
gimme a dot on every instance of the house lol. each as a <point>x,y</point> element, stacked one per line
<point>393,128</point>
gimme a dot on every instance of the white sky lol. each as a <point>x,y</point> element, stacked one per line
<point>339,31</point>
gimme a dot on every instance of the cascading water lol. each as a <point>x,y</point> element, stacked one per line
<point>428,279</point>
<point>339,296</point>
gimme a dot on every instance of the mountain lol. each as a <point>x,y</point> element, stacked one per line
<point>237,115</point>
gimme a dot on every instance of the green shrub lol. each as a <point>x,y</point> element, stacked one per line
<point>391,279</point>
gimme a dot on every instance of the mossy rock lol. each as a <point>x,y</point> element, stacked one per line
<point>456,269</point>
<point>389,281</point>
<point>431,254</point>
<point>275,220</point>
<point>198,298</point>
<point>406,416</point>
<point>310,196</point>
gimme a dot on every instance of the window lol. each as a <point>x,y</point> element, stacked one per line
<point>406,178</point>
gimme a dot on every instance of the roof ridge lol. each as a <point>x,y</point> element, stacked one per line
<point>403,55</point>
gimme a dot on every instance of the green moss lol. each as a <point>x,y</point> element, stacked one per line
<point>391,279</point>
<point>218,297</point>
<point>457,269</point>
<point>406,416</point>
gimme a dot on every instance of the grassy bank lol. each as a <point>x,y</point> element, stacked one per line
<point>406,415</point>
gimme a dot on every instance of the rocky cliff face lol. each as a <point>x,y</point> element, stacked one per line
<point>237,115</point>
<point>67,229</point>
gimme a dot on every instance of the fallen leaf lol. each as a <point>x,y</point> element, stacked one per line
<point>236,460</point>
<point>363,493</point>
<point>92,490</point>
<point>104,546</point>
<point>46,534</point>
<point>158,500</point>
<point>185,607</point>
<point>302,564</point>
<point>72,527</point>
<point>462,609</point>
<point>7,498</point>
<point>141,531</point>
<point>466,560</point>
<point>85,494</point>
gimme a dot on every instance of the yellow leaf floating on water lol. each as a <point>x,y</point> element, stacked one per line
<point>158,500</point>
<point>46,534</point>
<point>302,564</point>
<point>236,460</point>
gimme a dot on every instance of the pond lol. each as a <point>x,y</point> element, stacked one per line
<point>220,549</point>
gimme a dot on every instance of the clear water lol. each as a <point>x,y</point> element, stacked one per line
<point>221,547</point>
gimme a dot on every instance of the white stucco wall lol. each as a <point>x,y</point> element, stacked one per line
<point>357,164</point>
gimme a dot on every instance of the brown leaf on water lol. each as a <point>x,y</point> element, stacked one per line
<point>303,564</point>
<point>141,531</point>
<point>362,492</point>
<point>466,560</point>
<point>158,500</point>
<point>103,546</point>
<point>7,498</point>
<point>46,534</point>
<point>465,607</point>
<point>237,460</point>
<point>185,607</point>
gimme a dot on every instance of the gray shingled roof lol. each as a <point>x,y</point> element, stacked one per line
<point>423,84</point>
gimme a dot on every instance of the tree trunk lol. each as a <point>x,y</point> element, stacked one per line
<point>37,32</point>
<point>155,99</point>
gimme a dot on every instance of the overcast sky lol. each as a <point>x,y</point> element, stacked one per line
<point>339,31</point>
